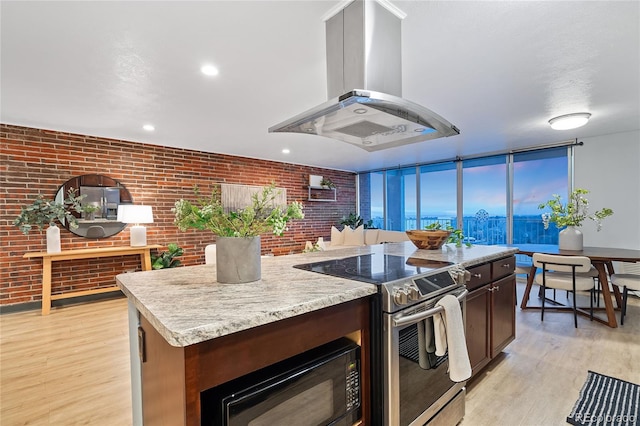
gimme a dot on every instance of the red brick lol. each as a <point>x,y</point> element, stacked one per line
<point>153,175</point>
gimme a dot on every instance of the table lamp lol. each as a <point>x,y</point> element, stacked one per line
<point>136,214</point>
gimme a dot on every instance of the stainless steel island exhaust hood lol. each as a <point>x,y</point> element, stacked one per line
<point>365,81</point>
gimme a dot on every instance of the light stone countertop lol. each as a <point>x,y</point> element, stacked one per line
<point>187,306</point>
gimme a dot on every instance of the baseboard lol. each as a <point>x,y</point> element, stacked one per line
<point>33,306</point>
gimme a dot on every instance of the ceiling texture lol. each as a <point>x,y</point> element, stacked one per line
<point>496,70</point>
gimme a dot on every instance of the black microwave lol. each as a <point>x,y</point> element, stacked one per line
<point>318,387</point>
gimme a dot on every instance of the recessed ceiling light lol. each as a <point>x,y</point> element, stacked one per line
<point>569,121</point>
<point>149,127</point>
<point>209,70</point>
<point>360,110</point>
<point>286,151</point>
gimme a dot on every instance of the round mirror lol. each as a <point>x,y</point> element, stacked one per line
<point>99,214</point>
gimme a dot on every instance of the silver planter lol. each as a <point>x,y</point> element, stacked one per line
<point>238,259</point>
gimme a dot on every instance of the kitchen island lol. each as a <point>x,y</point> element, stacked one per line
<point>195,333</point>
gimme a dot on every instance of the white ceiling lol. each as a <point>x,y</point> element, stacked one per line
<point>497,70</point>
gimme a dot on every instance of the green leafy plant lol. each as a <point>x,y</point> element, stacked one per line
<point>435,226</point>
<point>46,212</point>
<point>167,259</point>
<point>260,217</point>
<point>90,208</point>
<point>457,237</point>
<point>327,182</point>
<point>573,213</point>
<point>354,221</point>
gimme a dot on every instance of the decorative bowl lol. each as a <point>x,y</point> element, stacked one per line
<point>428,239</point>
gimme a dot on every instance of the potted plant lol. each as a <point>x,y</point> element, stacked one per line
<point>238,232</point>
<point>43,212</point>
<point>327,183</point>
<point>570,217</point>
<point>354,221</point>
<point>90,211</point>
<point>167,259</point>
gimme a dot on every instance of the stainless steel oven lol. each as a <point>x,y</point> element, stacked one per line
<point>409,385</point>
<point>319,387</point>
<point>417,386</point>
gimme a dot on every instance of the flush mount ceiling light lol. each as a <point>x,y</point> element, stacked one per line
<point>209,70</point>
<point>149,127</point>
<point>569,121</point>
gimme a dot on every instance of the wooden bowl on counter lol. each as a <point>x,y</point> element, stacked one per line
<point>428,239</point>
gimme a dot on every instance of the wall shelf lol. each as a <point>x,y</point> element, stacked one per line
<point>319,193</point>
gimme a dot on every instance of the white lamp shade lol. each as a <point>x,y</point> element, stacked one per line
<point>132,213</point>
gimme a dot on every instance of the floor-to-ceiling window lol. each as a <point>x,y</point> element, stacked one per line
<point>401,199</point>
<point>537,175</point>
<point>438,189</point>
<point>371,198</point>
<point>493,211</point>
<point>484,200</point>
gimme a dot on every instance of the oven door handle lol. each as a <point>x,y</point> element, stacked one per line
<point>412,319</point>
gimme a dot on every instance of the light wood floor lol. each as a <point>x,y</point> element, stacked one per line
<point>68,368</point>
<point>72,367</point>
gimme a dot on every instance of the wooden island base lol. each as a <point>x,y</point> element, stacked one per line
<point>173,377</point>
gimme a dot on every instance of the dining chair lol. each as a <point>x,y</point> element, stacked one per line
<point>592,272</point>
<point>627,282</point>
<point>95,231</point>
<point>564,273</point>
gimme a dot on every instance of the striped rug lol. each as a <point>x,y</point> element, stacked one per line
<point>607,401</point>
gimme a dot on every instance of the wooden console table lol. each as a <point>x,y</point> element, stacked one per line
<point>48,258</point>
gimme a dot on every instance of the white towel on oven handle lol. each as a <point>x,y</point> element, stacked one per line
<point>449,334</point>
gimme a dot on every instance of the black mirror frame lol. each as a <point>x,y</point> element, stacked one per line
<point>106,227</point>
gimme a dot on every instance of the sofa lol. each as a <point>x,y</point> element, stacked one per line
<point>359,237</point>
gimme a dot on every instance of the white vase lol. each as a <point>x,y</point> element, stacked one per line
<point>53,239</point>
<point>570,238</point>
<point>238,259</point>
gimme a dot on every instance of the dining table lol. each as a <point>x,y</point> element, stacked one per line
<point>602,259</point>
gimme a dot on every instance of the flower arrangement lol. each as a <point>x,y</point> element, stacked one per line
<point>573,213</point>
<point>256,219</point>
<point>45,212</point>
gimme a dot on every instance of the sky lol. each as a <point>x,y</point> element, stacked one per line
<point>484,188</point>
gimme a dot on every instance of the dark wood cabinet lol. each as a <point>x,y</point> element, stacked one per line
<point>503,314</point>
<point>477,332</point>
<point>490,313</point>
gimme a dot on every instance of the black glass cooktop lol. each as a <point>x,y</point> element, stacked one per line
<point>374,268</point>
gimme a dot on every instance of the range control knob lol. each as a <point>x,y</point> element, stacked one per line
<point>401,297</point>
<point>414,293</point>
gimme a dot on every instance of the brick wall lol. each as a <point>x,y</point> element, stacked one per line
<point>35,161</point>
